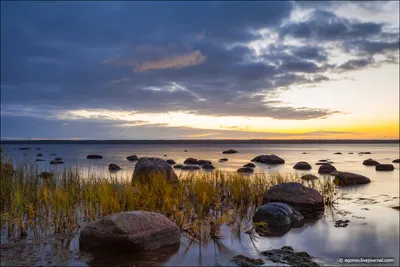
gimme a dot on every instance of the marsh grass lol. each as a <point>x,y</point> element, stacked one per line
<point>200,203</point>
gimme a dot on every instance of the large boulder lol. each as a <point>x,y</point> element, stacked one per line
<point>349,178</point>
<point>326,169</point>
<point>396,161</point>
<point>132,158</point>
<point>132,231</point>
<point>279,217</point>
<point>147,168</point>
<point>230,151</point>
<point>302,165</point>
<point>384,167</point>
<point>191,161</point>
<point>269,159</point>
<point>305,200</point>
<point>370,162</point>
<point>114,167</point>
<point>94,157</point>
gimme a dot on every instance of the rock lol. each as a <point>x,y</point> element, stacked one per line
<point>114,167</point>
<point>350,153</point>
<point>94,157</point>
<point>46,175</point>
<point>230,151</point>
<point>341,223</point>
<point>39,155</point>
<point>337,153</point>
<point>249,165</point>
<point>208,167</point>
<point>396,161</point>
<point>269,159</point>
<point>56,161</point>
<point>39,160</point>
<point>323,160</point>
<point>364,153</point>
<point>288,256</point>
<point>349,178</point>
<point>191,161</point>
<point>185,150</point>
<point>304,153</point>
<point>308,177</point>
<point>24,148</point>
<point>171,161</point>
<point>396,207</point>
<point>146,168</point>
<point>307,201</point>
<point>178,166</point>
<point>203,162</point>
<point>132,158</point>
<point>244,261</point>
<point>190,168</point>
<point>223,160</point>
<point>370,162</point>
<point>131,231</point>
<point>165,155</point>
<point>279,218</point>
<point>23,154</point>
<point>326,169</point>
<point>302,165</point>
<point>245,170</point>
<point>324,163</point>
<point>384,167</point>
<point>334,173</point>
<point>38,148</point>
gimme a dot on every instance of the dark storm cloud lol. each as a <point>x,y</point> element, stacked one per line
<point>168,56</point>
<point>356,64</point>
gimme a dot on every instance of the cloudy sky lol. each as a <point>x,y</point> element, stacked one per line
<point>199,70</point>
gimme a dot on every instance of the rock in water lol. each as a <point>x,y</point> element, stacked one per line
<point>230,151</point>
<point>190,168</point>
<point>349,178</point>
<point>280,217</point>
<point>132,158</point>
<point>39,155</point>
<point>114,167</point>
<point>370,162</point>
<point>305,200</point>
<point>208,167</point>
<point>171,161</point>
<point>245,170</point>
<point>178,166</point>
<point>222,160</point>
<point>131,231</point>
<point>308,177</point>
<point>288,256</point>
<point>302,165</point>
<point>147,168</point>
<point>396,161</point>
<point>39,160</point>
<point>269,159</point>
<point>203,162</point>
<point>191,161</point>
<point>384,167</point>
<point>338,153</point>
<point>57,161</point>
<point>244,261</point>
<point>326,169</point>
<point>94,157</point>
<point>249,165</point>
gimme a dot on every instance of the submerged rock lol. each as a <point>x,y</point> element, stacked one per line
<point>249,165</point>
<point>230,151</point>
<point>279,218</point>
<point>178,166</point>
<point>148,168</point>
<point>349,178</point>
<point>46,175</point>
<point>39,160</point>
<point>203,162</point>
<point>364,153</point>
<point>223,160</point>
<point>302,165</point>
<point>132,158</point>
<point>384,167</point>
<point>308,177</point>
<point>190,168</point>
<point>94,157</point>
<point>24,148</point>
<point>396,161</point>
<point>288,256</point>
<point>244,261</point>
<point>132,231</point>
<point>370,162</point>
<point>171,161</point>
<point>337,153</point>
<point>114,167</point>
<point>57,161</point>
<point>269,159</point>
<point>53,154</point>
<point>39,155</point>
<point>208,167</point>
<point>326,169</point>
<point>191,161</point>
<point>245,170</point>
<point>305,200</point>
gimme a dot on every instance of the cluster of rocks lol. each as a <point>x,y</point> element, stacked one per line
<point>379,166</point>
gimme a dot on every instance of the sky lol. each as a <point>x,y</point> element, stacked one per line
<point>199,70</point>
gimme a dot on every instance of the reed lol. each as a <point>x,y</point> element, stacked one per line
<point>200,203</point>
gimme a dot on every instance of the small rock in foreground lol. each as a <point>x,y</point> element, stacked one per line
<point>288,256</point>
<point>244,261</point>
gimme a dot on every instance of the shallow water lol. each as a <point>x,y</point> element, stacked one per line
<point>373,230</point>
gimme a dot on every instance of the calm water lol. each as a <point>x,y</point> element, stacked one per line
<point>373,230</point>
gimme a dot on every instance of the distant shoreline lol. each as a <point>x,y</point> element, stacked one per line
<point>226,141</point>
